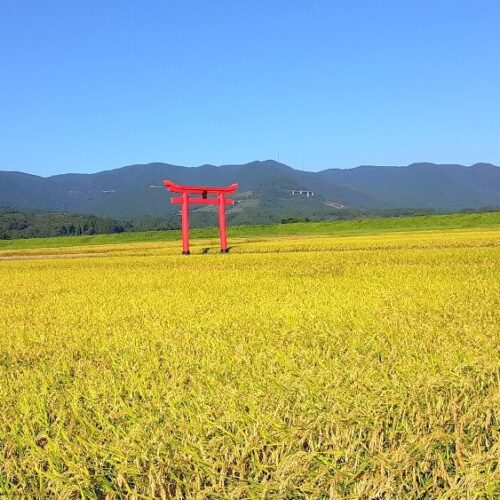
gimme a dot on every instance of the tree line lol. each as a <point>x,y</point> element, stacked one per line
<point>24,225</point>
<point>15,225</point>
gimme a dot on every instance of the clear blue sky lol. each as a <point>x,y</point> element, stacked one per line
<point>98,84</point>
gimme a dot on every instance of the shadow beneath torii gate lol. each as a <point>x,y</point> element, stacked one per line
<point>207,250</point>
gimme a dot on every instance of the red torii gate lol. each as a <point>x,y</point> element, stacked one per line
<point>184,200</point>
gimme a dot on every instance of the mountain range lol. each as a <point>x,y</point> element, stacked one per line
<point>268,189</point>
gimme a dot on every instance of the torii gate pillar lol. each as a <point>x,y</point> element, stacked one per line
<point>184,200</point>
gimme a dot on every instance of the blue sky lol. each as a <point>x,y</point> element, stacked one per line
<point>92,85</point>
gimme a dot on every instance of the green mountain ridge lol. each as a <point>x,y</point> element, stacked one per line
<point>265,189</point>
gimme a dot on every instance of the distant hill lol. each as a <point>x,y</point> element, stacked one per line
<point>265,189</point>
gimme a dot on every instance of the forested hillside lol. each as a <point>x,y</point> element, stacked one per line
<point>269,191</point>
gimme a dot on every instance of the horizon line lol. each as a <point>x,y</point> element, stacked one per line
<point>250,162</point>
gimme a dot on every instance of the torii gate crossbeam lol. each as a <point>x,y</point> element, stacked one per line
<point>184,200</point>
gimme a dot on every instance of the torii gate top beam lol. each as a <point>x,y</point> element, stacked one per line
<point>178,188</point>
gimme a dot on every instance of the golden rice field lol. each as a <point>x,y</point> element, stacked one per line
<point>320,367</point>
